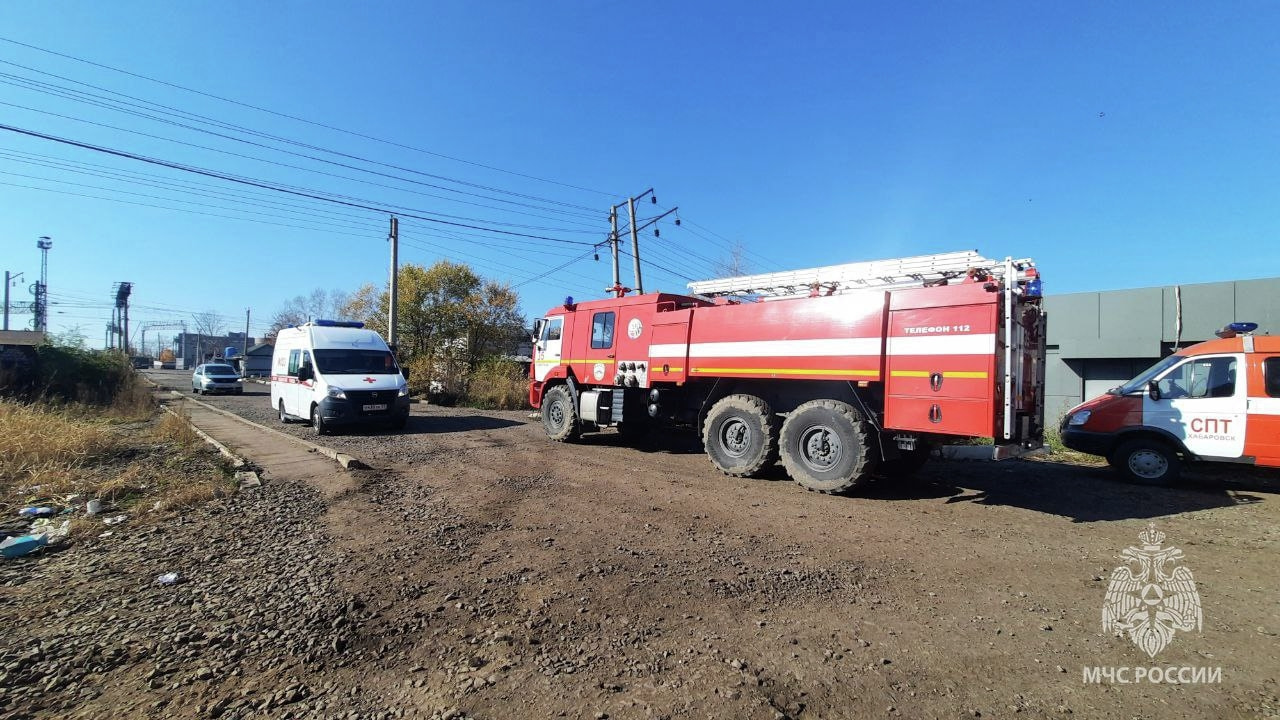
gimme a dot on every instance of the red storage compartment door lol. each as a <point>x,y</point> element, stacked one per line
<point>941,365</point>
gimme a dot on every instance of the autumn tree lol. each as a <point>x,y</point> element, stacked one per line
<point>449,318</point>
<point>320,303</point>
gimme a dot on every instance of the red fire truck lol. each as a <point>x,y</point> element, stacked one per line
<point>843,372</point>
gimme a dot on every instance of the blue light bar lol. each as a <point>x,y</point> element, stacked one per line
<point>339,323</point>
<point>1243,327</point>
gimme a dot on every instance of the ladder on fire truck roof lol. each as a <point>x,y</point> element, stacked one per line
<point>876,274</point>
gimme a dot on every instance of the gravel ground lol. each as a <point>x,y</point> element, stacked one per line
<point>483,571</point>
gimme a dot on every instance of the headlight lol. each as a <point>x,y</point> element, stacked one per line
<point>337,393</point>
<point>1079,418</point>
<point>403,391</point>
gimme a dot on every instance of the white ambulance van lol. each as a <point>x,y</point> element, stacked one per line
<point>333,373</point>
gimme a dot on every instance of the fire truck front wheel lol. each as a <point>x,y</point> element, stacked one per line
<point>1147,461</point>
<point>559,416</point>
<point>827,447</point>
<point>741,435</point>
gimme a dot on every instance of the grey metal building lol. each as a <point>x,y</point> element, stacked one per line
<point>1097,340</point>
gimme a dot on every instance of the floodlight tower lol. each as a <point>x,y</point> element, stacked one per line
<point>41,289</point>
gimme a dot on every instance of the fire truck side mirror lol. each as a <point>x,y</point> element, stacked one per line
<point>1153,390</point>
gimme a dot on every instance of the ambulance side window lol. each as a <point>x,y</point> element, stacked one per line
<point>602,330</point>
<point>1201,378</point>
<point>295,356</point>
<point>1271,371</point>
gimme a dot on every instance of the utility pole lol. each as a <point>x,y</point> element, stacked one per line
<point>636,227</point>
<point>244,353</point>
<point>394,237</point>
<point>616,288</point>
<point>9,279</point>
<point>635,242</point>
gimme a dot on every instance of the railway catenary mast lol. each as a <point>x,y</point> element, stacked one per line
<point>842,372</point>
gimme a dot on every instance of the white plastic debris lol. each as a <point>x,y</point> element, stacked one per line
<point>93,507</point>
<point>115,519</point>
<point>168,578</point>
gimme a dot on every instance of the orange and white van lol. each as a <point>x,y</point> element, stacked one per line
<point>1214,401</point>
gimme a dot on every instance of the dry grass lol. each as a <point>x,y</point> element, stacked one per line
<point>498,385</point>
<point>48,454</point>
<point>176,427</point>
<point>38,445</point>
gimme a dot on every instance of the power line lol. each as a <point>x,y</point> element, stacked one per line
<point>287,165</point>
<point>302,120</point>
<point>267,186</point>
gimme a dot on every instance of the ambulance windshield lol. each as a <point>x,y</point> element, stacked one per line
<point>1139,384</point>
<point>356,362</point>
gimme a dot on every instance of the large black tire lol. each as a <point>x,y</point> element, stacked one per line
<point>741,435</point>
<point>827,447</point>
<point>284,419</point>
<point>1147,461</point>
<point>907,464</point>
<point>560,415</point>
<point>317,421</point>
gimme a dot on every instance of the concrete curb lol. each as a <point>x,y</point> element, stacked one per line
<point>347,462</point>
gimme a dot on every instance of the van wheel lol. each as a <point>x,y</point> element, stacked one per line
<point>284,419</point>
<point>827,447</point>
<point>1146,461</point>
<point>740,435</point>
<point>559,416</point>
<point>317,421</point>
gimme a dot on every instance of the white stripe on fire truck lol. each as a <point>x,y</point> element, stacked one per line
<point>984,344</point>
<point>771,348</point>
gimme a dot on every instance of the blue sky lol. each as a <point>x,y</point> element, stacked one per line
<point>1118,144</point>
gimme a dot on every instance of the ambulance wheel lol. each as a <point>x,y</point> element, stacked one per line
<point>1147,461</point>
<point>827,447</point>
<point>317,421</point>
<point>559,416</point>
<point>284,419</point>
<point>741,435</point>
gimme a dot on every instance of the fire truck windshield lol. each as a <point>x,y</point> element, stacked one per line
<point>1139,384</point>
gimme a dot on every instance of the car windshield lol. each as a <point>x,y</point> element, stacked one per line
<point>354,362</point>
<point>1140,383</point>
<point>219,370</point>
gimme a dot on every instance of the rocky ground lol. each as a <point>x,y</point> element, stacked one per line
<point>483,571</point>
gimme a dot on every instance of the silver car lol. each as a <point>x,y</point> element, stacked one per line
<point>216,378</point>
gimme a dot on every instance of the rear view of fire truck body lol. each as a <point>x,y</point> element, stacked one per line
<point>843,372</point>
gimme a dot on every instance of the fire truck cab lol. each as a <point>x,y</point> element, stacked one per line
<point>1216,401</point>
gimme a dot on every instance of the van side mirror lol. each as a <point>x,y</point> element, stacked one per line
<point>1153,390</point>
<point>304,373</point>
<point>405,372</point>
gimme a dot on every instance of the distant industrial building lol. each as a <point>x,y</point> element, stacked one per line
<point>1098,340</point>
<point>191,349</point>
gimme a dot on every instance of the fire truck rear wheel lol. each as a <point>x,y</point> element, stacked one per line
<point>827,447</point>
<point>1147,461</point>
<point>741,435</point>
<point>559,416</point>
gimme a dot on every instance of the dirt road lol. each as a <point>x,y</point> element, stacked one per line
<point>499,575</point>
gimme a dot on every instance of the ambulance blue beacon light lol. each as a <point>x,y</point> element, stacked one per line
<point>339,323</point>
<point>1243,327</point>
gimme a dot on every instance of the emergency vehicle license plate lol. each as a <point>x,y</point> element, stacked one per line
<point>375,408</point>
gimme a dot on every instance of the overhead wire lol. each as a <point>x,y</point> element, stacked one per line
<point>269,186</point>
<point>299,119</point>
